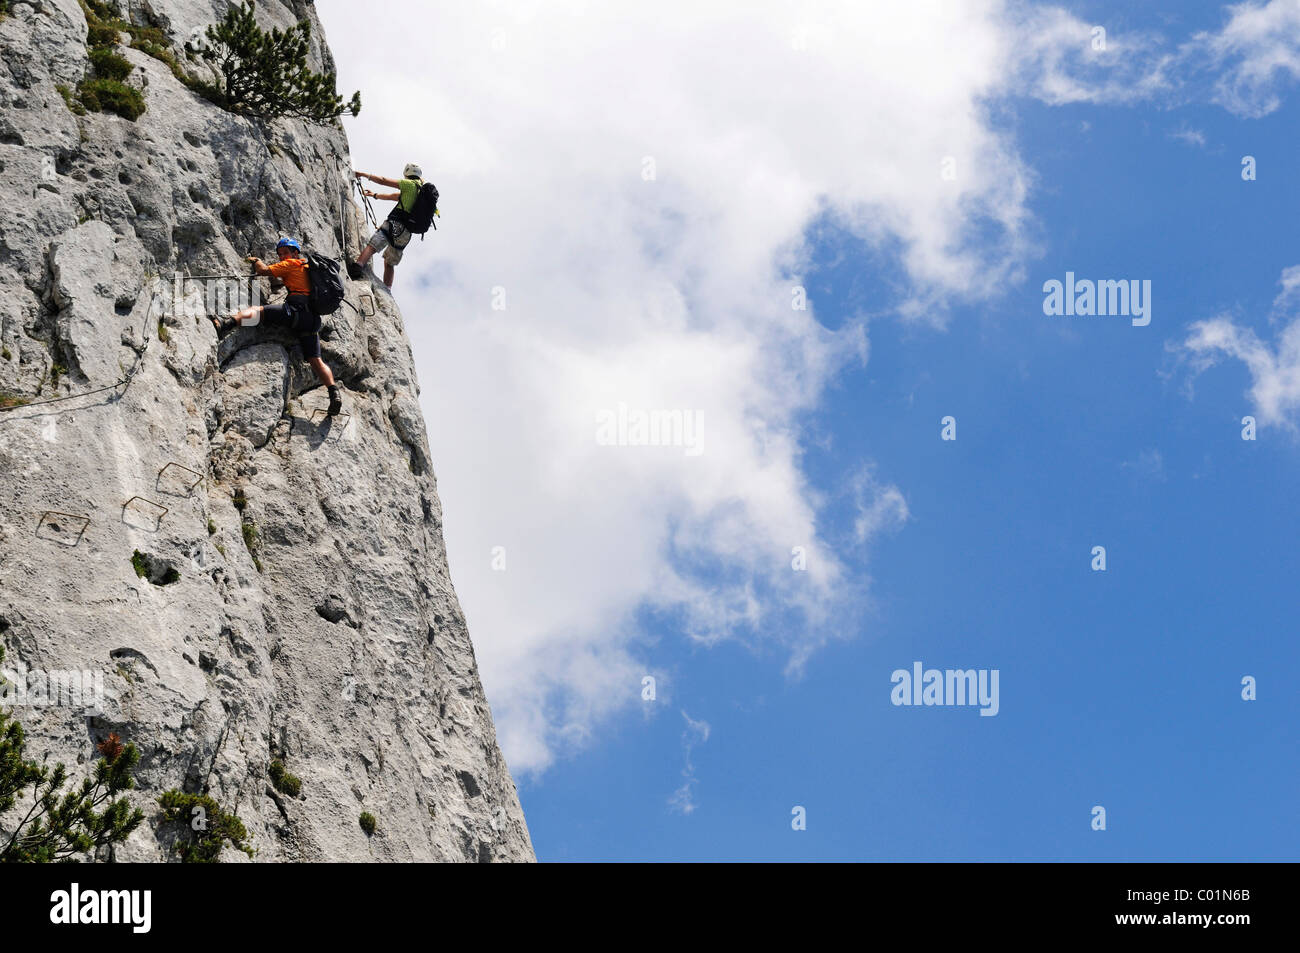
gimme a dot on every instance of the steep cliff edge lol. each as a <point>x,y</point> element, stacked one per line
<point>295,603</point>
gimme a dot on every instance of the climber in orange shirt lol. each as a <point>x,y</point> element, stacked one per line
<point>295,313</point>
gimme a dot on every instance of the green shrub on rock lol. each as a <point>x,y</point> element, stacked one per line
<point>106,90</point>
<point>282,780</point>
<point>208,822</point>
<point>109,64</point>
<point>266,74</point>
<point>58,826</point>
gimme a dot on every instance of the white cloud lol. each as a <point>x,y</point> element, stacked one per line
<point>1245,66</point>
<point>663,294</point>
<point>1255,56</point>
<point>535,120</point>
<point>1289,296</point>
<point>696,733</point>
<point>879,508</point>
<point>1274,369</point>
<point>1063,59</point>
<point>1149,465</point>
<point>1193,137</point>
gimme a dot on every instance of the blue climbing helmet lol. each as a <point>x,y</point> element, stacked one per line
<point>288,243</point>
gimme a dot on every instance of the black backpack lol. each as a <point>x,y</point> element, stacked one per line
<point>418,220</point>
<point>326,283</point>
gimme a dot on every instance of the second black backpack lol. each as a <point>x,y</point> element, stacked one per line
<point>425,208</point>
<point>326,283</point>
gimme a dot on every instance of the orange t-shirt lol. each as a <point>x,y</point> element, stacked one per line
<point>293,272</point>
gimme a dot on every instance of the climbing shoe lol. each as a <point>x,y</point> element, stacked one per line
<point>224,326</point>
<point>355,271</point>
<point>336,402</point>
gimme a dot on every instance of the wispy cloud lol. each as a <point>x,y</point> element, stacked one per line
<point>1274,368</point>
<point>1193,137</point>
<point>1149,465</point>
<point>879,507</point>
<point>1256,56</point>
<point>696,733</point>
<point>1246,66</point>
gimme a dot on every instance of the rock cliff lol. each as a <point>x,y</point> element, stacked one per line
<point>247,580</point>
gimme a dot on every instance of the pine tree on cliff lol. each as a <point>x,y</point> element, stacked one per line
<point>266,74</point>
<point>55,825</point>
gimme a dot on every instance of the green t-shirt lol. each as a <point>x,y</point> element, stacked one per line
<point>409,188</point>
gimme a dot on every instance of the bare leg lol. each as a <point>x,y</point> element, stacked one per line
<point>366,254</point>
<point>323,373</point>
<point>326,377</point>
<point>388,276</point>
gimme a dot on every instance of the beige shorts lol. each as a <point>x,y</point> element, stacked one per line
<point>391,238</point>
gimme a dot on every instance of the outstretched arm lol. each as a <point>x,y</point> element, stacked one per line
<point>382,196</point>
<point>259,267</point>
<point>378,179</point>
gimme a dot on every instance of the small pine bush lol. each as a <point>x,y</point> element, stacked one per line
<point>146,569</point>
<point>112,96</point>
<point>208,822</point>
<point>70,100</point>
<point>109,64</point>
<point>61,826</point>
<point>368,823</point>
<point>282,780</point>
<point>266,74</point>
<point>106,90</point>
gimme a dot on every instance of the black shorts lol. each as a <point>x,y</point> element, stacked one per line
<point>296,315</point>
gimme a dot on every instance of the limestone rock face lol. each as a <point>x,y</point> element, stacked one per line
<point>248,580</point>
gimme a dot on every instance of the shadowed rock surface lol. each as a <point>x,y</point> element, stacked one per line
<point>345,655</point>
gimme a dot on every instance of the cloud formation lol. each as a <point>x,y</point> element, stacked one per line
<point>1246,66</point>
<point>1274,369</point>
<point>627,195</point>
<point>695,733</point>
<point>1255,57</point>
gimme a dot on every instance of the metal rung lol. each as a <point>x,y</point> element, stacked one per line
<point>321,410</point>
<point>85,522</point>
<point>179,466</point>
<point>160,516</point>
<point>363,299</point>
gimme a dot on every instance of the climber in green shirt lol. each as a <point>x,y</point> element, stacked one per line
<point>393,236</point>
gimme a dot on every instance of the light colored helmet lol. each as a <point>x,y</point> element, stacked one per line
<point>412,171</point>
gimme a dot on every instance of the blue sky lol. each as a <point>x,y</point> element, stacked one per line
<point>1119,688</point>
